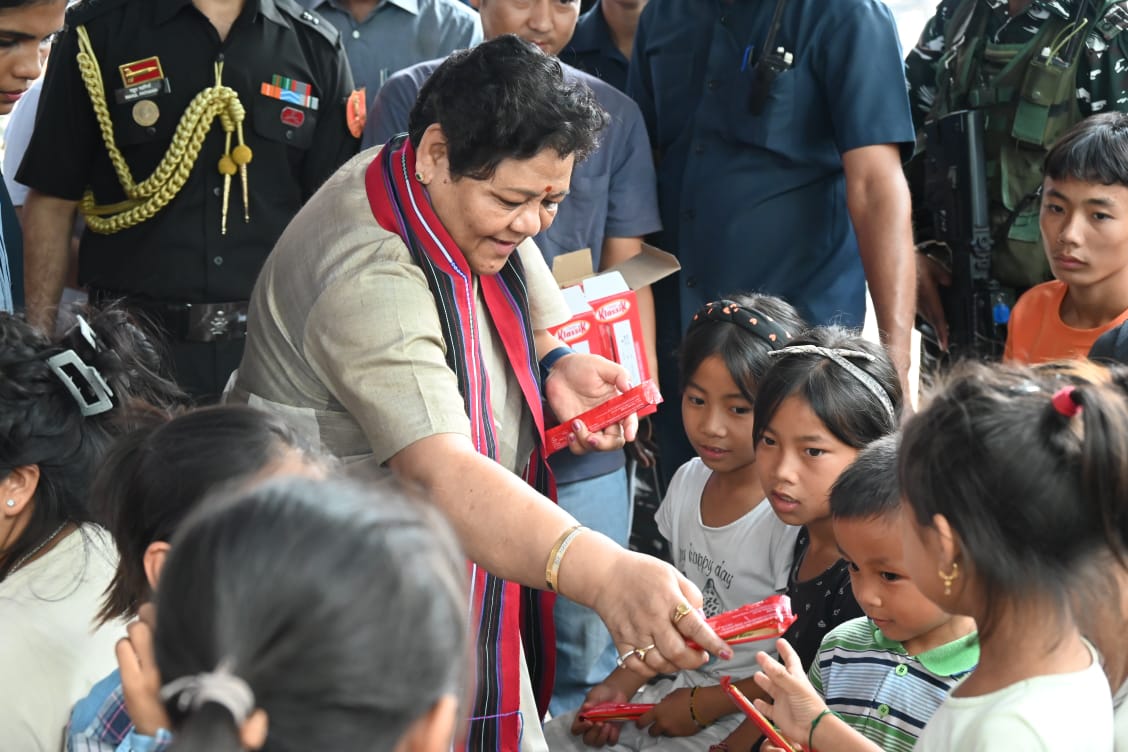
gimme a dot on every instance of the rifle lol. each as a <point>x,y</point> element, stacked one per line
<point>955,191</point>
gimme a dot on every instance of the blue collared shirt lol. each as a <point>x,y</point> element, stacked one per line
<point>758,202</point>
<point>593,51</point>
<point>612,195</point>
<point>398,34</point>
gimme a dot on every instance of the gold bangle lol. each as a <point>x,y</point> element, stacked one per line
<point>693,711</point>
<point>556,555</point>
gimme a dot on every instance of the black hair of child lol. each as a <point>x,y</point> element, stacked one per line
<point>1094,150</point>
<point>869,488</point>
<point>154,477</point>
<point>745,353</point>
<point>1030,484</point>
<point>850,411</point>
<point>341,606</point>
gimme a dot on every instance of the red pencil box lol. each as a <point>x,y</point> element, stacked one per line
<point>599,417</point>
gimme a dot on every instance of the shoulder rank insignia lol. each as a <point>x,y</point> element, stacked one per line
<point>356,113</point>
<point>290,91</point>
<point>141,71</point>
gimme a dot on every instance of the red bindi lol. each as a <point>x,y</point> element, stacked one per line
<point>548,189</point>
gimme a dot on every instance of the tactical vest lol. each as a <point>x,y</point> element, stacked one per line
<point>1028,93</point>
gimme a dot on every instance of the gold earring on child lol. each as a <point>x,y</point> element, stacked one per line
<point>419,177</point>
<point>949,578</point>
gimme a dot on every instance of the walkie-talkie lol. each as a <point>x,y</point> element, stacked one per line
<point>771,64</point>
<point>765,73</point>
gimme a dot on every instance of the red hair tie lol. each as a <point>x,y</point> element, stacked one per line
<point>1065,403</point>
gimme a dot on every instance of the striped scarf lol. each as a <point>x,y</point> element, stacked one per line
<point>501,612</point>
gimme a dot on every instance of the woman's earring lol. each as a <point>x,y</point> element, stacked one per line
<point>419,177</point>
<point>949,578</point>
<point>10,503</point>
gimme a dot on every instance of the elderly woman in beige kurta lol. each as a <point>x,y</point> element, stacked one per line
<point>401,318</point>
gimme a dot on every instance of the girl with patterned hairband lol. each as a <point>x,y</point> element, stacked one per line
<point>722,534</point>
<point>63,401</point>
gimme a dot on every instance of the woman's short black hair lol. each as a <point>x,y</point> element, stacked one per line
<point>341,606</point>
<point>1094,150</point>
<point>1029,491</point>
<point>154,477</point>
<point>505,99</point>
<point>744,352</point>
<point>850,411</point>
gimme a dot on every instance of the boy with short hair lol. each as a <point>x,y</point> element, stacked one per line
<point>886,673</point>
<point>1084,223</point>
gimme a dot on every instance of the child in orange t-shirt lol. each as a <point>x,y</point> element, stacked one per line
<point>1084,224</point>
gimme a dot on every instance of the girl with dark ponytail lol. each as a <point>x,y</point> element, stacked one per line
<point>313,615</point>
<point>62,404</point>
<point>151,480</point>
<point>1014,478</point>
<point>1015,483</point>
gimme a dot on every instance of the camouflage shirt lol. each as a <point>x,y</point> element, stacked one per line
<point>1102,76</point>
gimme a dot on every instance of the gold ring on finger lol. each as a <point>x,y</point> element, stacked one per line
<point>641,652</point>
<point>680,611</point>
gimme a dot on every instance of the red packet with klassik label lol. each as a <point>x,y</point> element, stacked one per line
<point>752,622</point>
<point>599,417</point>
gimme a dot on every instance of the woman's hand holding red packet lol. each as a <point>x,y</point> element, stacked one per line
<point>752,622</point>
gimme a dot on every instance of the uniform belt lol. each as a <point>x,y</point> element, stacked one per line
<point>187,322</point>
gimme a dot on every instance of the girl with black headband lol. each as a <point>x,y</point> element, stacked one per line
<point>722,533</point>
<point>828,394</point>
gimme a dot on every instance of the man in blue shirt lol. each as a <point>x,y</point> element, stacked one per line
<point>384,36</point>
<point>602,43</point>
<point>611,205</point>
<point>793,187</point>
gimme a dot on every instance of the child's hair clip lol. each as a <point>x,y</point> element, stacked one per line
<point>1065,401</point>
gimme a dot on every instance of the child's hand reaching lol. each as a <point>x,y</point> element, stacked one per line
<point>600,733</point>
<point>744,738</point>
<point>671,716</point>
<point>795,702</point>
<point>140,680</point>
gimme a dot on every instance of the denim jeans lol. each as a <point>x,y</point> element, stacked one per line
<point>585,654</point>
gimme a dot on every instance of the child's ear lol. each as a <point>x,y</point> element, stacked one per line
<point>947,540</point>
<point>153,560</point>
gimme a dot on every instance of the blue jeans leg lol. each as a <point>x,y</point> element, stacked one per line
<point>585,654</point>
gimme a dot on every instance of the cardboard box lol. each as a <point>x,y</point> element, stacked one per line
<point>605,319</point>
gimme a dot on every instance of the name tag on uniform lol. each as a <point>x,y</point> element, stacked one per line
<point>290,91</point>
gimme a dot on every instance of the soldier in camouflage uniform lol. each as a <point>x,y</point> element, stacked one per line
<point>1014,60</point>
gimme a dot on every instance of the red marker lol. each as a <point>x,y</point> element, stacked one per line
<point>757,717</point>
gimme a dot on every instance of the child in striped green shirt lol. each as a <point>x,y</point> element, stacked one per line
<point>885,674</point>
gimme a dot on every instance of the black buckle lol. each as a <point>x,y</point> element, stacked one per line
<point>215,322</point>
